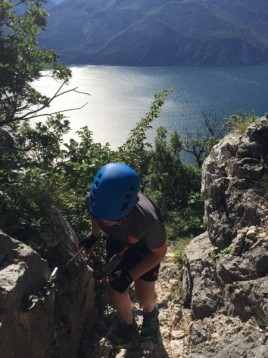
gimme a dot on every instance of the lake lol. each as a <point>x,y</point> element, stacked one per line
<point>121,96</point>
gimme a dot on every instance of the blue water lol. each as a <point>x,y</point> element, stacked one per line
<point>120,96</point>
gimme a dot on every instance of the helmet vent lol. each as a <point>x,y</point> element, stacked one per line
<point>125,206</point>
<point>100,175</point>
<point>92,199</point>
<point>96,183</point>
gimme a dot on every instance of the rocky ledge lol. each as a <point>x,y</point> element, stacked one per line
<point>225,282</point>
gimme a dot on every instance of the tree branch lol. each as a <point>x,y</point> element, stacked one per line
<point>34,113</point>
<point>51,114</point>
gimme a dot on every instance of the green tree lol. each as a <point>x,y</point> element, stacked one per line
<point>48,172</point>
<point>165,179</point>
<point>134,151</point>
<point>175,186</point>
<point>199,143</point>
<point>22,62</point>
<point>31,157</point>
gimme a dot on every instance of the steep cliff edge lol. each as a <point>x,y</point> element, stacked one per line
<point>225,276</point>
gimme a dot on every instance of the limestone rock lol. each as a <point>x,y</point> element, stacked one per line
<point>226,289</point>
<point>55,326</point>
<point>199,290</point>
<point>24,334</point>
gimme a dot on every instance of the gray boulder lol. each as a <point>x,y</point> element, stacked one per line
<point>57,325</point>
<point>199,289</point>
<point>248,300</point>
<point>23,271</point>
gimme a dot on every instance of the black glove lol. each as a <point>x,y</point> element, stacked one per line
<point>121,281</point>
<point>88,241</point>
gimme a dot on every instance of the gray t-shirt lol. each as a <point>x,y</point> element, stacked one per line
<point>141,227</point>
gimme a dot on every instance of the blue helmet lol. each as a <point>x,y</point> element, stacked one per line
<point>114,192</point>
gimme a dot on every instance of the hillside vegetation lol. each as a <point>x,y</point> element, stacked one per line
<point>159,32</point>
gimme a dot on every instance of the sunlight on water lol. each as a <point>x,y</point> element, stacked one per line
<point>120,97</point>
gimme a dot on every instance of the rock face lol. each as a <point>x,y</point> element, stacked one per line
<point>55,326</point>
<point>22,270</point>
<point>225,269</point>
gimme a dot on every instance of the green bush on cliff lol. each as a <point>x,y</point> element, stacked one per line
<point>239,121</point>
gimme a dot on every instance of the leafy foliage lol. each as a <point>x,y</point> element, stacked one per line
<point>166,179</point>
<point>200,143</point>
<point>186,220</point>
<point>216,254</point>
<point>133,152</point>
<point>179,250</point>
<point>48,172</point>
<point>22,62</point>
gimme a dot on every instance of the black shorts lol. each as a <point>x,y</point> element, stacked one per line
<point>131,258</point>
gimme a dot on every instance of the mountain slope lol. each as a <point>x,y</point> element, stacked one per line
<point>159,32</point>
